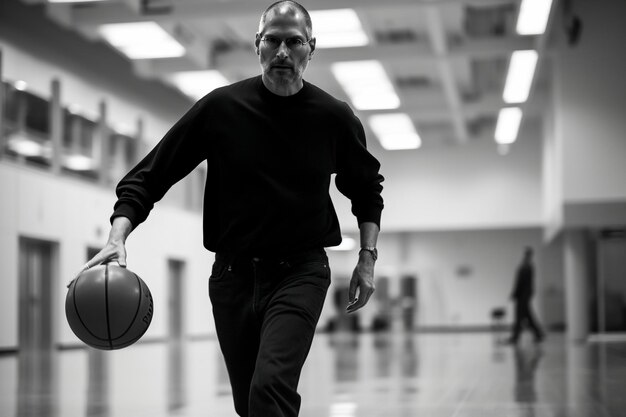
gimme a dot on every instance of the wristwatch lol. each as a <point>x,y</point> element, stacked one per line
<point>370,249</point>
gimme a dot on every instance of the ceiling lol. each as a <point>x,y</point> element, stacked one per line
<point>446,59</point>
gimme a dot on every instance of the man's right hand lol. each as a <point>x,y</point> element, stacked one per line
<point>115,248</point>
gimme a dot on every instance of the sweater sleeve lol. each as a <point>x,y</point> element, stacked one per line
<point>181,150</point>
<point>358,176</point>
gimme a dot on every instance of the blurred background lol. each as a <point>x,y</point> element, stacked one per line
<point>499,125</point>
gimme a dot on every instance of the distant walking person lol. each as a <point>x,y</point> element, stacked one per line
<point>522,295</point>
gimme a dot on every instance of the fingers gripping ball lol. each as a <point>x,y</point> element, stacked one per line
<point>108,307</point>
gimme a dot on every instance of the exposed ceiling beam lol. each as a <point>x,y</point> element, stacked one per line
<point>439,42</point>
<point>488,105</point>
<point>115,12</point>
<point>406,53</point>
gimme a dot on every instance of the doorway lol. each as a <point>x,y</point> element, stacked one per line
<point>37,373</point>
<point>37,278</point>
<point>612,281</point>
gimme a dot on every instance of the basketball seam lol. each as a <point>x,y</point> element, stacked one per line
<point>78,311</point>
<point>136,311</point>
<point>106,300</point>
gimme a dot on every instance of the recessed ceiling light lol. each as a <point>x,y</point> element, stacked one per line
<point>338,28</point>
<point>395,131</point>
<point>508,123</point>
<point>20,85</point>
<point>520,76</point>
<point>533,17</point>
<point>141,40</point>
<point>367,84</point>
<point>197,84</point>
<point>74,1</point>
<point>78,162</point>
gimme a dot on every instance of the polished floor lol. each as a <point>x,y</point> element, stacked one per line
<point>347,375</point>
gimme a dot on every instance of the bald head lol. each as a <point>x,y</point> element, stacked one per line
<point>287,8</point>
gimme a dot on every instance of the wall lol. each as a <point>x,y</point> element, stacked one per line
<point>590,98</point>
<point>462,275</point>
<point>75,215</point>
<point>469,186</point>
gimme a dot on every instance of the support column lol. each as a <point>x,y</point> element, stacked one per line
<point>140,149</point>
<point>101,147</point>
<point>56,126</point>
<point>576,267</point>
<point>3,137</point>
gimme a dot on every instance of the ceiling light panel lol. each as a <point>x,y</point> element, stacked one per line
<point>395,131</point>
<point>74,1</point>
<point>367,85</point>
<point>507,126</point>
<point>339,28</point>
<point>141,40</point>
<point>197,84</point>
<point>533,17</point>
<point>520,76</point>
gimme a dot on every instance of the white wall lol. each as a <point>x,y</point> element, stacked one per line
<point>445,297</point>
<point>75,215</point>
<point>468,186</point>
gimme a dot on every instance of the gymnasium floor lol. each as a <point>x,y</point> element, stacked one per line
<point>366,375</point>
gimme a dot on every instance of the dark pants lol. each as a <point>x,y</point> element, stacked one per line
<point>266,312</point>
<point>525,316</point>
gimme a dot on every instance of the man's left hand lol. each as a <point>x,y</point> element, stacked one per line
<point>362,282</point>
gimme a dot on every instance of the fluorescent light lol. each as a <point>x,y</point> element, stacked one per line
<point>395,131</point>
<point>347,244</point>
<point>507,125</point>
<point>20,85</point>
<point>73,1</point>
<point>346,409</point>
<point>21,144</point>
<point>141,40</point>
<point>197,84</point>
<point>533,17</point>
<point>338,28</point>
<point>367,85</point>
<point>78,162</point>
<point>520,76</point>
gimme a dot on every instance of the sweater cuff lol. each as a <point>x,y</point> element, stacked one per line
<point>372,215</point>
<point>130,212</point>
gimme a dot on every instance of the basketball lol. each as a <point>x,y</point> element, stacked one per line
<point>108,307</point>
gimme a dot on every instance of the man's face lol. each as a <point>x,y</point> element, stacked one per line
<point>283,59</point>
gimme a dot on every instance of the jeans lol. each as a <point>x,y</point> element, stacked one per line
<point>524,316</point>
<point>266,312</point>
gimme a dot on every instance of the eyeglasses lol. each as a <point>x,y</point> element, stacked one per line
<point>291,43</point>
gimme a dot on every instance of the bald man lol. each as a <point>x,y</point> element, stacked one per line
<point>270,144</point>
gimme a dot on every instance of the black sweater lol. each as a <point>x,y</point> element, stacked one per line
<point>269,163</point>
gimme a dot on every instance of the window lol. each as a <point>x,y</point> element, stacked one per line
<point>79,149</point>
<point>26,126</point>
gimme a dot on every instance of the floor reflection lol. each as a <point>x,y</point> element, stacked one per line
<point>176,383</point>
<point>97,383</point>
<point>348,374</point>
<point>37,386</point>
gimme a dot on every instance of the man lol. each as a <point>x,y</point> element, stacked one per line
<point>271,144</point>
<point>522,295</point>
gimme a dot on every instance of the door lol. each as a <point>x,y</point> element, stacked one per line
<point>37,278</point>
<point>37,387</point>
